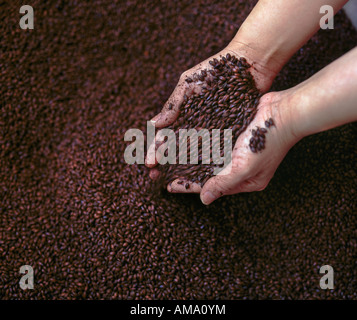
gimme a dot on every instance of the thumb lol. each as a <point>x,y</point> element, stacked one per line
<point>220,185</point>
<point>167,116</point>
<point>171,109</point>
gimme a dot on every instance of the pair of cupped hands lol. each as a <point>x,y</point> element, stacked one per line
<point>248,171</point>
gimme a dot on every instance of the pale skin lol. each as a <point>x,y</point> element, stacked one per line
<point>270,35</point>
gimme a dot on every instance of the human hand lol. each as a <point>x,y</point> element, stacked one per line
<point>191,82</point>
<point>252,171</point>
<point>319,103</point>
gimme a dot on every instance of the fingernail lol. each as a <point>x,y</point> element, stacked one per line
<point>154,174</point>
<point>156,118</point>
<point>169,187</point>
<point>208,198</point>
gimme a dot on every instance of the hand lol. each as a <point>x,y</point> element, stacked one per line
<point>263,77</point>
<point>317,104</point>
<point>252,171</point>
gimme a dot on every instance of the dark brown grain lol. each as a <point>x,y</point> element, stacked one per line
<point>93,227</point>
<point>222,104</point>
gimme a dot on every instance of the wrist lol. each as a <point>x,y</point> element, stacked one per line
<point>286,110</point>
<point>262,70</point>
<point>298,111</point>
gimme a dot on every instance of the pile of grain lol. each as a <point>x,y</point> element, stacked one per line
<point>90,225</point>
<point>228,100</point>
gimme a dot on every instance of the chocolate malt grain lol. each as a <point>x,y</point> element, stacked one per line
<point>228,100</point>
<point>92,226</point>
<point>257,141</point>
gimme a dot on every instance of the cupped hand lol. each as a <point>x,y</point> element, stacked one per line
<point>251,171</point>
<point>191,82</point>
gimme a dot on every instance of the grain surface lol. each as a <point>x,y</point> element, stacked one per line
<point>91,225</point>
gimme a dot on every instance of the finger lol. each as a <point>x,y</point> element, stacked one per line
<point>150,160</point>
<point>257,183</point>
<point>220,185</point>
<point>154,174</point>
<point>171,109</point>
<point>248,186</point>
<point>152,156</point>
<point>183,186</point>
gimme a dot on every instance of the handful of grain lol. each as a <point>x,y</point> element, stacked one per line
<point>228,100</point>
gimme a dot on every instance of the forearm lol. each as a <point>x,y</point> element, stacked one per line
<point>276,29</point>
<point>326,100</point>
